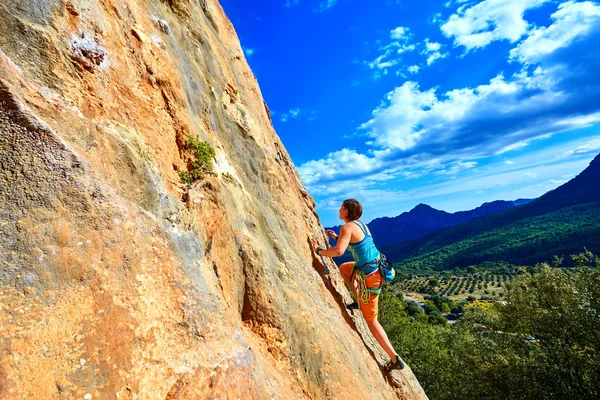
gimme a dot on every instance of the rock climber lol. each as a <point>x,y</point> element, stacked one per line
<point>356,237</point>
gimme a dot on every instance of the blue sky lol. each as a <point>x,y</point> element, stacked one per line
<point>448,103</point>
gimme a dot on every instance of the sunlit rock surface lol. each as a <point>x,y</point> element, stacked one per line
<point>116,280</point>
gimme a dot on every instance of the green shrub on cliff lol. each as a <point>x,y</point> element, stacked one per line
<point>202,163</point>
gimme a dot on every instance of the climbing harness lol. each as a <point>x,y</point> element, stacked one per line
<point>364,292</point>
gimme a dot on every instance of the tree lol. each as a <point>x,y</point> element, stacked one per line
<point>445,308</point>
<point>561,311</point>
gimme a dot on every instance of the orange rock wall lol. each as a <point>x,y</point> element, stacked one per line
<point>116,280</point>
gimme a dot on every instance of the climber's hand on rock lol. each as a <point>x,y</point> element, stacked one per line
<point>315,245</point>
<point>331,234</point>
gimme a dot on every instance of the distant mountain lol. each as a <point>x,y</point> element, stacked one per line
<point>424,219</point>
<point>561,222</point>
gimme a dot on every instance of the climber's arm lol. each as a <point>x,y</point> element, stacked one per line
<point>342,243</point>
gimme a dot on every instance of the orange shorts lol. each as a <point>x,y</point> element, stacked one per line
<point>371,309</point>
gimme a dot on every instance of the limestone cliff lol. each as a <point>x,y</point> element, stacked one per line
<point>116,280</point>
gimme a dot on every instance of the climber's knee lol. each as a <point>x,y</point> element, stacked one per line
<point>346,270</point>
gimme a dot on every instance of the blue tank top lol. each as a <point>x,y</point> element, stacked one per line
<point>364,251</point>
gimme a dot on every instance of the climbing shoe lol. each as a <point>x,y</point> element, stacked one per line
<point>390,365</point>
<point>352,306</point>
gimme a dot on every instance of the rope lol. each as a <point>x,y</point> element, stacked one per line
<point>363,291</point>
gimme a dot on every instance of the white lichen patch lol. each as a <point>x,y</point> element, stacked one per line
<point>162,25</point>
<point>89,51</point>
<point>158,41</point>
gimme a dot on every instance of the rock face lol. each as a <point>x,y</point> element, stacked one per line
<point>117,281</point>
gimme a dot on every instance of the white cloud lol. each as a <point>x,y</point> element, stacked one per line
<point>409,117</point>
<point>570,21</point>
<point>490,20</point>
<point>404,48</point>
<point>509,162</point>
<point>400,33</point>
<point>460,124</point>
<point>435,56</point>
<point>379,63</point>
<point>413,69</point>
<point>248,52</point>
<point>432,49</point>
<point>284,118</point>
<point>395,124</point>
<point>343,162</point>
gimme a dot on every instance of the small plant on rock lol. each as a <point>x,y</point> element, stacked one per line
<point>228,177</point>
<point>203,162</point>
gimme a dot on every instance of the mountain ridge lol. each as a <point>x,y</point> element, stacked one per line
<point>560,222</point>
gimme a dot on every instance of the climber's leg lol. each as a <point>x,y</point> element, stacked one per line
<point>346,271</point>
<point>370,311</point>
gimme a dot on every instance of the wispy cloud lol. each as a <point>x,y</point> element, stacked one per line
<point>248,51</point>
<point>400,38</point>
<point>593,146</point>
<point>432,50</point>
<point>457,167</point>
<point>296,113</point>
<point>435,18</point>
<point>290,3</point>
<point>530,176</point>
<point>326,5</point>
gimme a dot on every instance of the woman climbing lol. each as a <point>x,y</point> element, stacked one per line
<point>356,237</point>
